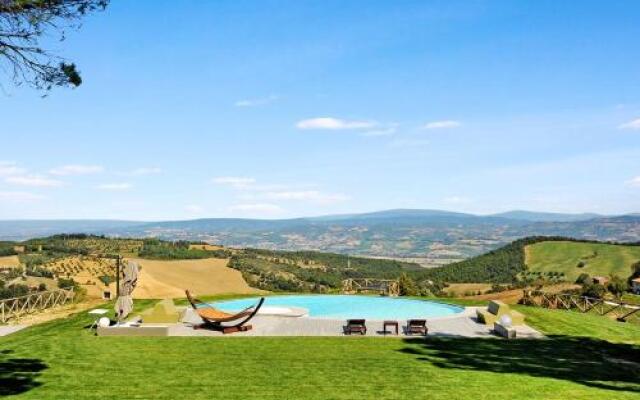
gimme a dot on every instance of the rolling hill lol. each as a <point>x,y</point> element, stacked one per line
<point>546,216</point>
<point>168,268</point>
<point>555,259</point>
<point>430,237</point>
<point>169,279</point>
<point>573,259</point>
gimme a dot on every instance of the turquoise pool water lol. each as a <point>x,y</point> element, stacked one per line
<point>350,306</point>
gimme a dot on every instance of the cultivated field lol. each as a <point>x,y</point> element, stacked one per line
<point>169,279</point>
<point>466,289</point>
<point>9,261</point>
<point>207,247</point>
<point>598,259</point>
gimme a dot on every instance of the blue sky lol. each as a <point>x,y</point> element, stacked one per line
<point>297,108</point>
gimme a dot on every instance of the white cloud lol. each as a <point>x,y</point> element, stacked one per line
<point>256,102</point>
<point>76,169</point>
<point>146,171</point>
<point>33,180</point>
<point>308,195</point>
<point>20,196</point>
<point>635,125</point>
<point>328,123</point>
<point>236,182</point>
<point>9,168</point>
<point>635,182</point>
<point>447,124</point>
<point>260,209</point>
<point>115,187</point>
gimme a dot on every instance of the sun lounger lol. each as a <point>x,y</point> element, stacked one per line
<point>417,327</point>
<point>505,331</point>
<point>355,326</point>
<point>495,311</point>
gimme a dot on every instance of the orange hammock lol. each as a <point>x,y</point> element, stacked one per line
<point>214,318</point>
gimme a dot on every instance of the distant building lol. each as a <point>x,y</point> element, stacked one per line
<point>18,249</point>
<point>635,285</point>
<point>601,280</point>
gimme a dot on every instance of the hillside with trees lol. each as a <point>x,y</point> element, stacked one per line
<point>313,271</point>
<point>529,262</point>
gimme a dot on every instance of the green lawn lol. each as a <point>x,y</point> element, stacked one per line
<point>600,259</point>
<point>585,357</point>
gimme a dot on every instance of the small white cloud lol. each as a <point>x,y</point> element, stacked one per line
<point>115,187</point>
<point>260,209</point>
<point>256,102</point>
<point>328,123</point>
<point>146,171</point>
<point>9,168</point>
<point>77,169</point>
<point>308,195</point>
<point>34,181</point>
<point>447,124</point>
<point>634,125</point>
<point>457,200</point>
<point>634,182</point>
<point>237,182</point>
<point>20,196</point>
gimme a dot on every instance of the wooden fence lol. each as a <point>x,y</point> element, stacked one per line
<point>386,287</point>
<point>621,311</point>
<point>20,306</point>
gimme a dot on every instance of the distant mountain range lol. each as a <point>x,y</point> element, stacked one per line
<point>430,236</point>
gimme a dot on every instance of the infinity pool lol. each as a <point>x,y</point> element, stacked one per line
<point>349,306</point>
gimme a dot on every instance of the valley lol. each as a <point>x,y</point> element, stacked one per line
<point>427,237</point>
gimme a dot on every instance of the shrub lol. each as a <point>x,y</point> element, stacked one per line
<point>584,279</point>
<point>635,272</point>
<point>15,290</point>
<point>594,290</point>
<point>617,286</point>
<point>407,286</point>
<point>106,279</point>
<point>64,283</point>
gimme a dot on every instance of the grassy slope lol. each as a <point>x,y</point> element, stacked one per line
<point>565,256</point>
<point>62,361</point>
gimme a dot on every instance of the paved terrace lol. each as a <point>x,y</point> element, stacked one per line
<point>9,329</point>
<point>463,325</point>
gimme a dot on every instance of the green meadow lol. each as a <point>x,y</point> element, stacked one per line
<point>584,357</point>
<point>596,259</point>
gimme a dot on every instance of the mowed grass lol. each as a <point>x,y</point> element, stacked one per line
<point>586,357</point>
<point>600,259</point>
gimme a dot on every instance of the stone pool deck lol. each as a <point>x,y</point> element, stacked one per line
<point>461,325</point>
<point>6,330</point>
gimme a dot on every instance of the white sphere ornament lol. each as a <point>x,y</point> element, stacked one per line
<point>506,321</point>
<point>104,322</point>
